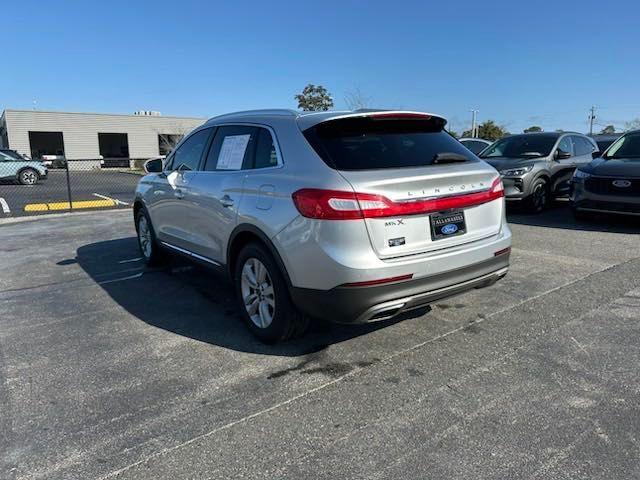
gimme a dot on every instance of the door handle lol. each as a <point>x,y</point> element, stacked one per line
<point>226,201</point>
<point>179,194</point>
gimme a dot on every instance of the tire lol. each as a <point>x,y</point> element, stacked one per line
<point>271,316</point>
<point>28,176</point>
<point>539,198</point>
<point>151,252</point>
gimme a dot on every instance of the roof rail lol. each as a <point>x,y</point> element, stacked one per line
<point>281,112</point>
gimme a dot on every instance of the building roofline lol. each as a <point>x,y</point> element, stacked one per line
<point>19,110</point>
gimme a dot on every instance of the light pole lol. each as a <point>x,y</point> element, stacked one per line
<point>592,117</point>
<point>474,133</point>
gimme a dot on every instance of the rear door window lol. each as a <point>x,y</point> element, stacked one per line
<point>581,146</point>
<point>366,143</point>
<point>232,148</point>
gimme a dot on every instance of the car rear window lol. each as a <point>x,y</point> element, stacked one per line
<point>366,143</point>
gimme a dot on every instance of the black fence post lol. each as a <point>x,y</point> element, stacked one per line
<point>66,163</point>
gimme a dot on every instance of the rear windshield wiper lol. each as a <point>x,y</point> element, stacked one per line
<point>449,157</point>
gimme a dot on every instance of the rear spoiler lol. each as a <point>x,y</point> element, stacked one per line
<point>385,115</point>
<point>390,115</point>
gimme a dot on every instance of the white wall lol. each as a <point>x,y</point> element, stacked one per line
<point>80,130</point>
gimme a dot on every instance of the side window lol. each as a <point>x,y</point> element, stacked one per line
<point>266,155</point>
<point>187,156</point>
<point>232,148</point>
<point>565,145</point>
<point>583,146</point>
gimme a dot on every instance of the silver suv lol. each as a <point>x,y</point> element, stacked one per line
<point>535,167</point>
<point>14,166</point>
<point>347,216</point>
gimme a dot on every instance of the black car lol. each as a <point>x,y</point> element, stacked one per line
<point>610,183</point>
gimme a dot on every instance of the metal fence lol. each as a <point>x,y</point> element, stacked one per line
<point>72,185</point>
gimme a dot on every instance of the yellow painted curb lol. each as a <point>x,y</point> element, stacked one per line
<point>36,207</point>
<point>43,207</point>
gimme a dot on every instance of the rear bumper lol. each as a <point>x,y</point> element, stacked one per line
<point>366,304</point>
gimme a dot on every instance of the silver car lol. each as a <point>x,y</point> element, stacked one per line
<point>14,166</point>
<point>536,167</point>
<point>347,216</point>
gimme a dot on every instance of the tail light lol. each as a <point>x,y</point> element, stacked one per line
<point>342,205</point>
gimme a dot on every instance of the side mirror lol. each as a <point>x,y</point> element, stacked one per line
<point>153,165</point>
<point>596,154</point>
<point>562,155</point>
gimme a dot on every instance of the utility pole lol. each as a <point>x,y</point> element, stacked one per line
<point>592,117</point>
<point>474,133</point>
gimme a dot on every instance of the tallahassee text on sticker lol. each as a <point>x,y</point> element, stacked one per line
<point>232,152</point>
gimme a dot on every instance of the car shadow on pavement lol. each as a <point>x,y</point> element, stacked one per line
<point>559,215</point>
<point>191,301</point>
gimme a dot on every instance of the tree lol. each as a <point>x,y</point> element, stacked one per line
<point>533,128</point>
<point>608,130</point>
<point>452,133</point>
<point>356,100</point>
<point>489,130</point>
<point>632,125</point>
<point>314,98</point>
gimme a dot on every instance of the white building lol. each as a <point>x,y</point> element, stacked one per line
<point>92,135</point>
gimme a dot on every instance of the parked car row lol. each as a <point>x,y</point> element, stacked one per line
<point>600,173</point>
<point>536,167</point>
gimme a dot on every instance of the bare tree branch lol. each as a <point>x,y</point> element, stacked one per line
<point>356,100</point>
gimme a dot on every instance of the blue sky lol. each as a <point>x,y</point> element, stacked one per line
<point>545,63</point>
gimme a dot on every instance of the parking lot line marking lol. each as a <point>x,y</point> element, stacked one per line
<point>130,277</point>
<point>131,260</point>
<point>117,202</point>
<point>4,205</point>
<point>351,373</point>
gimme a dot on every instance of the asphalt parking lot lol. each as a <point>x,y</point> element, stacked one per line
<point>110,370</point>
<point>86,185</point>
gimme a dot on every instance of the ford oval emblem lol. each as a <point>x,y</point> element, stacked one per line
<point>449,228</point>
<point>621,183</point>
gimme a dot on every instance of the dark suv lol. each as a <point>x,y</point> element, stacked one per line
<point>538,166</point>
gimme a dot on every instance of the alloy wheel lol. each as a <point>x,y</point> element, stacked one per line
<point>29,177</point>
<point>257,293</point>
<point>144,236</point>
<point>539,197</point>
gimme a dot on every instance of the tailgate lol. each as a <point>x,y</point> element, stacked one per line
<point>416,169</point>
<point>396,236</point>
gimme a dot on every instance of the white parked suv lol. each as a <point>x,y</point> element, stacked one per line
<point>347,216</point>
